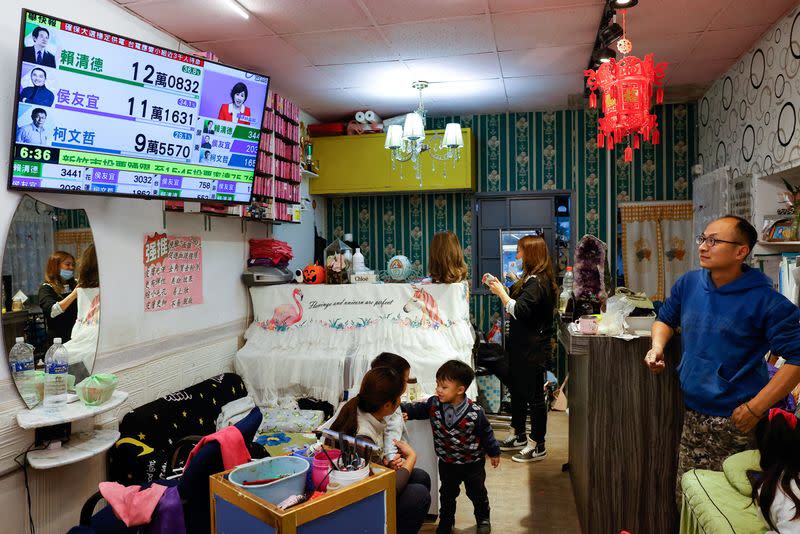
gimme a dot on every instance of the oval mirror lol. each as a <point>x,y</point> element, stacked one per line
<point>50,289</point>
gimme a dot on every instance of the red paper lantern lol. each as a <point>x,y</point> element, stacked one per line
<point>627,93</point>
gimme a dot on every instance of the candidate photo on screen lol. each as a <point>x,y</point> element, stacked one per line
<point>38,50</point>
<point>235,110</point>
<point>35,88</point>
<point>205,156</point>
<point>33,127</point>
<point>209,127</point>
<point>206,143</point>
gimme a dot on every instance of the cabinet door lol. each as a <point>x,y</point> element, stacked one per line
<point>351,164</point>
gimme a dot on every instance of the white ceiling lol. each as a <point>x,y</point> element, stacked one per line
<point>336,56</point>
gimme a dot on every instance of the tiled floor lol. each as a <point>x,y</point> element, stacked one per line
<point>535,498</point>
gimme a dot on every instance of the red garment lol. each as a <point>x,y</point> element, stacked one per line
<point>131,506</point>
<point>231,443</point>
<point>226,115</point>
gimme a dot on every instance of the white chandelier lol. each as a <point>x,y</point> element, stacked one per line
<point>406,142</point>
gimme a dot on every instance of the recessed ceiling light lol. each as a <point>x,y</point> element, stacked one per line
<point>237,7</point>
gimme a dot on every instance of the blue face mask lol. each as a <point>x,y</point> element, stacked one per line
<point>67,275</point>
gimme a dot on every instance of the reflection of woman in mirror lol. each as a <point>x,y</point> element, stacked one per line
<point>236,110</point>
<point>38,93</point>
<point>83,345</point>
<point>55,297</point>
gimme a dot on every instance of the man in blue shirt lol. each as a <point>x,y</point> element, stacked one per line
<point>730,316</point>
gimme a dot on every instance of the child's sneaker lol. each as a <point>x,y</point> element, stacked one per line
<point>484,526</point>
<point>534,452</point>
<point>513,443</point>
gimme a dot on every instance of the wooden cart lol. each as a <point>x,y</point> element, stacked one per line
<point>366,507</point>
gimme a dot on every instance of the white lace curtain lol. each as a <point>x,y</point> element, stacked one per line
<point>28,245</point>
<point>657,244</point>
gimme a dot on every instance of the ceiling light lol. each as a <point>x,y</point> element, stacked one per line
<point>604,55</point>
<point>623,4</point>
<point>407,142</point>
<point>236,6</point>
<point>611,33</point>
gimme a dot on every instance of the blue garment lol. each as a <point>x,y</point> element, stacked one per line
<point>41,96</point>
<point>726,332</point>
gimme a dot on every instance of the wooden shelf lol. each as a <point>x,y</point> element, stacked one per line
<point>80,446</point>
<point>309,174</point>
<point>779,243</point>
<point>42,416</point>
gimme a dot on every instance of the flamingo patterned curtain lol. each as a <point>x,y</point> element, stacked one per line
<point>657,245</point>
<point>318,340</point>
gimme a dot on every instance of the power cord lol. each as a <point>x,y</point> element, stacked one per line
<point>24,466</point>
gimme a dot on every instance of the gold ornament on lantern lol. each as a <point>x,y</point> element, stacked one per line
<point>625,46</point>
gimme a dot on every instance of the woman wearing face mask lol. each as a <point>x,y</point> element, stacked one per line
<point>236,111</point>
<point>530,307</point>
<point>57,296</point>
<point>38,93</point>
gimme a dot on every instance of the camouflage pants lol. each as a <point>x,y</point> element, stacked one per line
<point>706,441</point>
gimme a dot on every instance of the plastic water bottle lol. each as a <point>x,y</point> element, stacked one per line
<point>56,365</point>
<point>566,290</point>
<point>21,361</point>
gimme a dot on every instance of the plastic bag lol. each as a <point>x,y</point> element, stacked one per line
<point>612,322</point>
<point>96,389</point>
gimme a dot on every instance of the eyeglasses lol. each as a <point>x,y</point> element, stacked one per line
<point>711,241</point>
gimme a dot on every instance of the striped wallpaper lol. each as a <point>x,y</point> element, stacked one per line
<point>524,152</point>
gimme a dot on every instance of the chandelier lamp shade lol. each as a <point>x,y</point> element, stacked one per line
<point>627,89</point>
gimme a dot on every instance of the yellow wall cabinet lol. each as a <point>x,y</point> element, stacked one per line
<point>360,164</point>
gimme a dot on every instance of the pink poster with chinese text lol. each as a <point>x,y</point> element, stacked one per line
<point>173,272</point>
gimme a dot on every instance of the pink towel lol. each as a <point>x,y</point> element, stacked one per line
<point>131,506</point>
<point>231,443</point>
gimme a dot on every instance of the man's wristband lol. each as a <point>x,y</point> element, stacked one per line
<point>751,411</point>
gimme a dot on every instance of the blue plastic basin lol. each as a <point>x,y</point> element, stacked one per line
<point>291,468</point>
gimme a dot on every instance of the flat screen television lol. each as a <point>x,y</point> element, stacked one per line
<point>99,113</point>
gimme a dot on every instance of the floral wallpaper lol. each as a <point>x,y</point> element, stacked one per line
<point>525,152</point>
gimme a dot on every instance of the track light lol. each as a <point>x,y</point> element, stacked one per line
<point>623,4</point>
<point>604,55</point>
<point>611,33</point>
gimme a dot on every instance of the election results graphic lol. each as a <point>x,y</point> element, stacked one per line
<point>102,114</point>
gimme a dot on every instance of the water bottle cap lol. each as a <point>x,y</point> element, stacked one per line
<point>56,341</point>
<point>358,250</point>
<point>569,269</point>
<point>20,340</point>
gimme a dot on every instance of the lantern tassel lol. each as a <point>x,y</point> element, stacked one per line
<point>600,139</point>
<point>610,143</point>
<point>659,95</point>
<point>656,136</point>
<point>592,100</point>
<point>646,134</point>
<point>628,155</point>
<point>636,142</point>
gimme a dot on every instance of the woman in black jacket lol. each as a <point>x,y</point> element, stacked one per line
<point>530,309</point>
<point>57,299</point>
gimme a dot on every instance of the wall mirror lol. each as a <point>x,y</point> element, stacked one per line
<point>50,289</point>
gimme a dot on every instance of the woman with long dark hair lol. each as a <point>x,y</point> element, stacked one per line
<point>530,308</point>
<point>363,416</point>
<point>776,489</point>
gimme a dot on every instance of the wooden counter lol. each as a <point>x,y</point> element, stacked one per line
<point>624,433</point>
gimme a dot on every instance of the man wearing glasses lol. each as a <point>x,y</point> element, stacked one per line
<point>730,316</point>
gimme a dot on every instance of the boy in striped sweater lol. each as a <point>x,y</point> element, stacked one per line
<point>462,437</point>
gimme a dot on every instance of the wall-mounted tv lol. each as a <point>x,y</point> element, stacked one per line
<point>99,113</point>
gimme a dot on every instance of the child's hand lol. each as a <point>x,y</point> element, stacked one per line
<point>495,461</point>
<point>405,417</point>
<point>396,462</point>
